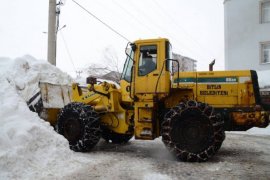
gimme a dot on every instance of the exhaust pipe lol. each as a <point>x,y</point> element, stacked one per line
<point>211,65</point>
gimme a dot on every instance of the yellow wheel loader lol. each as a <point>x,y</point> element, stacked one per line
<point>190,110</point>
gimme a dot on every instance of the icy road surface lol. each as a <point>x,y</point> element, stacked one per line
<point>240,157</point>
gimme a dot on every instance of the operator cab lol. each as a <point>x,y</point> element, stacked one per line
<point>147,69</point>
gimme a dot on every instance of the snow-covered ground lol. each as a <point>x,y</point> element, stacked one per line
<point>29,146</point>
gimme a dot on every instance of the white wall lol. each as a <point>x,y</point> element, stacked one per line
<point>243,35</point>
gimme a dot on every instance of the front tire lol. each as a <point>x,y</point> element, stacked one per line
<point>192,132</point>
<point>80,125</point>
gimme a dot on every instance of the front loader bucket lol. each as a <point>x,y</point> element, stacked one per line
<point>55,95</point>
<point>49,100</point>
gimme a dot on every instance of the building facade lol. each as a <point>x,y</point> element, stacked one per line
<point>247,34</point>
<point>185,63</point>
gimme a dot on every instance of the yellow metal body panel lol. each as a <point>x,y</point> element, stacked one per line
<point>125,92</point>
<point>144,120</point>
<point>218,88</point>
<point>50,115</point>
<point>231,90</point>
<point>255,119</point>
<point>105,98</point>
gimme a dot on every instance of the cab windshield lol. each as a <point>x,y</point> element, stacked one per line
<point>127,71</point>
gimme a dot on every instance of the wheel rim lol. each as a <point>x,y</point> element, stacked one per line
<point>72,130</point>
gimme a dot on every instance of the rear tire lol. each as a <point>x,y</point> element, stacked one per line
<point>192,132</point>
<point>79,124</point>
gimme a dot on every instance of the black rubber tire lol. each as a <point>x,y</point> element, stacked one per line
<point>192,132</point>
<point>80,125</point>
<point>220,132</point>
<point>115,138</point>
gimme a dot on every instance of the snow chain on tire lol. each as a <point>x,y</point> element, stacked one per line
<point>80,125</point>
<point>186,114</point>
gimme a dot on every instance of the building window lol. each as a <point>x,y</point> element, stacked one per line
<point>265,11</point>
<point>265,52</point>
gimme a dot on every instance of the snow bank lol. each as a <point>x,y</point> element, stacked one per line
<point>29,147</point>
<point>25,73</point>
<point>259,131</point>
<point>254,131</point>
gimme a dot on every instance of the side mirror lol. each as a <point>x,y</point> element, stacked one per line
<point>133,47</point>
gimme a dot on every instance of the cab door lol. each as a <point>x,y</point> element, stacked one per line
<point>146,71</point>
<point>148,63</point>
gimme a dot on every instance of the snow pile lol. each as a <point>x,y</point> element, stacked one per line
<point>259,131</point>
<point>254,131</point>
<point>26,72</point>
<point>29,147</point>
